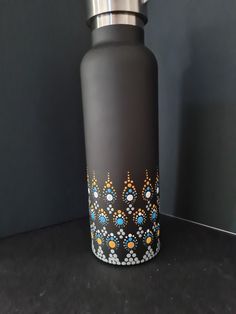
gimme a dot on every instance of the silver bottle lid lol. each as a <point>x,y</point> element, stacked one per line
<point>98,8</point>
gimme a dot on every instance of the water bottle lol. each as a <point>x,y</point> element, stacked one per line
<point>119,93</point>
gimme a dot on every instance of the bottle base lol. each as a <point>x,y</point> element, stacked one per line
<point>130,260</point>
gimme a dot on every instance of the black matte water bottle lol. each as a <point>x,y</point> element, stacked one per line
<point>119,90</point>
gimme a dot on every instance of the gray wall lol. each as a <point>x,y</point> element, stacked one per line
<point>195,42</point>
<point>42,164</point>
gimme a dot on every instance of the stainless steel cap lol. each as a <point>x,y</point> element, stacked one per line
<point>99,7</point>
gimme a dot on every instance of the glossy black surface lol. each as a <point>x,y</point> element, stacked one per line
<point>54,271</point>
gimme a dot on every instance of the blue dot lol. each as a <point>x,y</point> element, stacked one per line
<point>102,219</point>
<point>154,216</point>
<point>130,190</point>
<point>93,216</point>
<point>130,239</point>
<point>140,220</point>
<point>109,190</point>
<point>120,221</point>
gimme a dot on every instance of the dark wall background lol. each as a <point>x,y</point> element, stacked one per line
<point>195,42</point>
<point>42,164</point>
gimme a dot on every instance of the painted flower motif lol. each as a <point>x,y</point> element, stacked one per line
<point>130,242</point>
<point>95,188</point>
<point>110,209</point>
<point>149,254</point>
<point>157,187</point>
<point>109,193</point>
<point>148,237</point>
<point>139,217</point>
<point>148,206</point>
<point>99,237</point>
<point>113,258</point>
<point>140,232</point>
<point>154,213</point>
<point>112,241</point>
<point>121,233</point>
<point>156,229</point>
<point>102,217</point>
<point>93,227</point>
<point>131,258</point>
<point>129,194</point>
<point>120,219</point>
<point>92,230</point>
<point>104,231</point>
<point>92,213</point>
<point>147,192</point>
<point>130,209</point>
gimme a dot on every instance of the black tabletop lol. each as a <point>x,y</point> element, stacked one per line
<point>54,271</point>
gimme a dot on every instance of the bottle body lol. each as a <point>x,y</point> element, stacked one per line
<point>119,91</point>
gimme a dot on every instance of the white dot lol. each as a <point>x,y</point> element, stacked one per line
<point>109,197</point>
<point>130,197</point>
<point>148,194</point>
<point>157,190</point>
<point>95,194</point>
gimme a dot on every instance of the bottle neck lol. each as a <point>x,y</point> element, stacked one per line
<point>118,34</point>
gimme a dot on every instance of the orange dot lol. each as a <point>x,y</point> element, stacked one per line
<point>148,240</point>
<point>99,241</point>
<point>112,244</point>
<point>130,245</point>
<point>129,185</point>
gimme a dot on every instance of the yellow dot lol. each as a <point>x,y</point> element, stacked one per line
<point>108,185</point>
<point>129,185</point>
<point>148,240</point>
<point>112,244</point>
<point>158,233</point>
<point>130,245</point>
<point>99,241</point>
